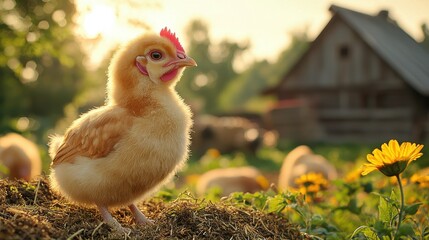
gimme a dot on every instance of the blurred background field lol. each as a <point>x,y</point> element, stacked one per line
<point>55,57</point>
<point>341,77</point>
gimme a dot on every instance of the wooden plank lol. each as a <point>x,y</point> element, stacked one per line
<point>367,138</point>
<point>399,113</point>
<point>353,126</point>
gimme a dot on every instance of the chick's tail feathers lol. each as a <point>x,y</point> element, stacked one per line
<point>54,143</point>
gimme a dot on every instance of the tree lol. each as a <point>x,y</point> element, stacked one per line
<point>245,91</point>
<point>204,86</point>
<point>214,86</point>
<point>40,60</point>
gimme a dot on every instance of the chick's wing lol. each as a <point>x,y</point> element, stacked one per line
<point>94,135</point>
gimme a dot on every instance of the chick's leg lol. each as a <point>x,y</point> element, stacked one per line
<point>109,220</point>
<point>139,217</point>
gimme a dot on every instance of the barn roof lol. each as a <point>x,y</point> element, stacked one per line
<point>392,44</point>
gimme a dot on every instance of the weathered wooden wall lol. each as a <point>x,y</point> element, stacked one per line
<point>351,94</point>
<point>306,124</point>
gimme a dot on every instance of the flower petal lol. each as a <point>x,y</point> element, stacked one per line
<point>394,146</point>
<point>367,168</point>
<point>388,151</point>
<point>372,159</point>
<point>380,156</point>
<point>405,149</point>
<point>416,152</point>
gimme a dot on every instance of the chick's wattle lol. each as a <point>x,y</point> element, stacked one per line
<point>118,153</point>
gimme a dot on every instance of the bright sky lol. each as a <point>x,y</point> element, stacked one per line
<point>266,24</point>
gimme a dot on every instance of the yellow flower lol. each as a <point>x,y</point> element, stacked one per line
<point>421,180</point>
<point>213,152</point>
<point>192,179</point>
<point>312,182</point>
<point>393,158</point>
<point>353,176</point>
<point>311,185</point>
<point>262,181</point>
<point>314,188</point>
<point>394,181</point>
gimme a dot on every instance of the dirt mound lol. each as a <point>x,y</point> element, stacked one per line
<point>33,211</point>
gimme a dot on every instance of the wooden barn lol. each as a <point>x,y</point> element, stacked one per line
<point>362,79</point>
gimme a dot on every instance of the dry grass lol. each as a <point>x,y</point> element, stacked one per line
<point>33,211</point>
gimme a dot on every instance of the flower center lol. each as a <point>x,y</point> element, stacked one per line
<point>393,169</point>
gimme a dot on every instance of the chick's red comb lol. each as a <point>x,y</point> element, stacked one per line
<point>165,32</point>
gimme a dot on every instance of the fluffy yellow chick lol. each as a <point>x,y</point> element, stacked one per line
<point>116,154</point>
<point>20,156</point>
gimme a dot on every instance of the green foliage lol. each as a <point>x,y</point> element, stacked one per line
<point>166,195</point>
<point>245,91</point>
<point>316,220</point>
<point>214,194</point>
<point>293,205</point>
<point>216,86</point>
<point>207,162</point>
<point>40,63</point>
<point>247,85</point>
<point>385,226</point>
<point>3,170</point>
<point>353,208</point>
<point>387,208</point>
<point>277,204</point>
<point>412,208</point>
<point>203,86</point>
<point>256,200</point>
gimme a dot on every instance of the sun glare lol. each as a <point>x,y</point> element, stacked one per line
<point>97,21</point>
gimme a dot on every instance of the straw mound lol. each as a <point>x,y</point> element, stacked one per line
<point>33,211</point>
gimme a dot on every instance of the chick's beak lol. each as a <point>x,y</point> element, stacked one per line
<point>141,60</point>
<point>182,62</point>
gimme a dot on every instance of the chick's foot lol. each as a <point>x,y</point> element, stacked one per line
<point>112,222</point>
<point>139,217</point>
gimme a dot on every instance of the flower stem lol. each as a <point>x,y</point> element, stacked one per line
<point>401,209</point>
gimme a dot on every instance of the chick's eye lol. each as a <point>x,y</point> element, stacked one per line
<point>155,55</point>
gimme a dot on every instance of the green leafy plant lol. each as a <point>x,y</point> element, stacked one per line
<point>391,160</point>
<point>350,207</point>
